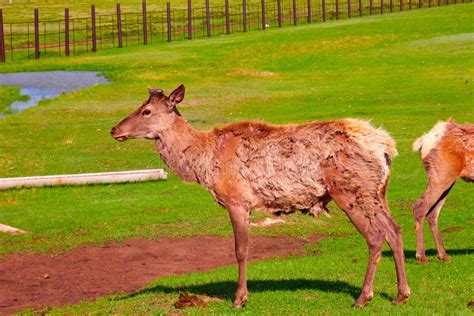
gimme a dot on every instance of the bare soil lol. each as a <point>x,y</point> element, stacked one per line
<point>39,281</point>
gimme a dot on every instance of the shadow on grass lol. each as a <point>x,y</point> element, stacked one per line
<point>411,254</point>
<point>226,289</point>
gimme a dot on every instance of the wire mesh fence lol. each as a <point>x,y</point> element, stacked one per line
<point>71,36</point>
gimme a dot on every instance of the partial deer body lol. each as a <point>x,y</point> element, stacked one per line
<point>252,165</point>
<point>447,152</point>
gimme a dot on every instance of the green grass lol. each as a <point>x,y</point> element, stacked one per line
<point>8,95</point>
<point>404,72</point>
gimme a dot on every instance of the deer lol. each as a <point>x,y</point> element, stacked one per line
<point>447,153</point>
<point>252,165</point>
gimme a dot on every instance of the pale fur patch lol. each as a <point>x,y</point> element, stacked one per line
<point>428,141</point>
<point>375,140</point>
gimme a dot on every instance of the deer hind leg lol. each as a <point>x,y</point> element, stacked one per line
<point>374,242</point>
<point>431,200</point>
<point>363,216</point>
<point>432,218</point>
<point>393,235</point>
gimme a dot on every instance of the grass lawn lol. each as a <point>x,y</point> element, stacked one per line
<point>403,71</point>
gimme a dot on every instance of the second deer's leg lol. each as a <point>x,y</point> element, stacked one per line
<point>433,195</point>
<point>432,218</point>
<point>240,223</point>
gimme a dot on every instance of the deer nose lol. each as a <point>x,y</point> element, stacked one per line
<point>112,132</point>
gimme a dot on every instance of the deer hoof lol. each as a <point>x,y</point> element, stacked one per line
<point>422,259</point>
<point>400,299</point>
<point>358,305</point>
<point>361,302</point>
<point>240,300</point>
<point>444,258</point>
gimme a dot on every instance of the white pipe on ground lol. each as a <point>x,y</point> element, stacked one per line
<point>11,230</point>
<point>84,178</point>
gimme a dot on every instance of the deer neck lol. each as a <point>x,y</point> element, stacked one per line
<point>186,151</point>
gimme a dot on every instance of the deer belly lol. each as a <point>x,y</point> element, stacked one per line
<point>280,193</point>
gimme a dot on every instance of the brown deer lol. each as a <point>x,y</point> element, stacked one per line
<point>252,165</point>
<point>447,152</point>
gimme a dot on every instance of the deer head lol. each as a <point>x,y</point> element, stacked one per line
<point>155,115</point>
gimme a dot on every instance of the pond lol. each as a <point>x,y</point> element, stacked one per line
<point>47,85</point>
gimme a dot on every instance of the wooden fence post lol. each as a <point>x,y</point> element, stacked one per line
<point>420,4</point>
<point>429,3</point>
<point>323,4</point>
<point>244,15</point>
<point>94,30</point>
<point>145,30</point>
<point>2,39</point>
<point>337,9</point>
<point>295,13</point>
<point>381,6</point>
<point>279,13</point>
<point>409,4</point>
<point>371,6</point>
<point>391,6</point>
<point>349,9</point>
<point>119,25</point>
<point>66,31</point>
<point>227,19</point>
<point>208,19</point>
<point>263,15</point>
<point>360,7</point>
<point>168,21</point>
<point>190,20</point>
<point>401,5</point>
<point>310,16</point>
<point>37,44</point>
<point>439,3</point>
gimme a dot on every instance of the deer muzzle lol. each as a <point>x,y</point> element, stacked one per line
<point>115,133</point>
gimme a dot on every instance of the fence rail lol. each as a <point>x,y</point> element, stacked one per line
<point>72,36</point>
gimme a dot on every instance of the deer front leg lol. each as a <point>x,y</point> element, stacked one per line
<point>240,222</point>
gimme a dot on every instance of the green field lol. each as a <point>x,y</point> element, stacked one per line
<point>403,71</point>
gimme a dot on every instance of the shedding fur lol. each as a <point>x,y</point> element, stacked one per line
<point>281,169</point>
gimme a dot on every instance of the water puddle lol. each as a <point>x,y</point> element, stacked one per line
<point>47,85</point>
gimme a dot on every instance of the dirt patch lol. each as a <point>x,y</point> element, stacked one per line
<point>39,281</point>
<point>186,300</point>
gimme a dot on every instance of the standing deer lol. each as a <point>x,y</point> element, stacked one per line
<point>447,152</point>
<point>252,165</point>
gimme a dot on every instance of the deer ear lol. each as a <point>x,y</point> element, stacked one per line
<point>177,95</point>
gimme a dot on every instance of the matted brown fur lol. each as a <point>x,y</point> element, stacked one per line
<point>253,165</point>
<point>447,154</point>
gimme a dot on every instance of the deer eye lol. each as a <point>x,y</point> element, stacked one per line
<point>146,112</point>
